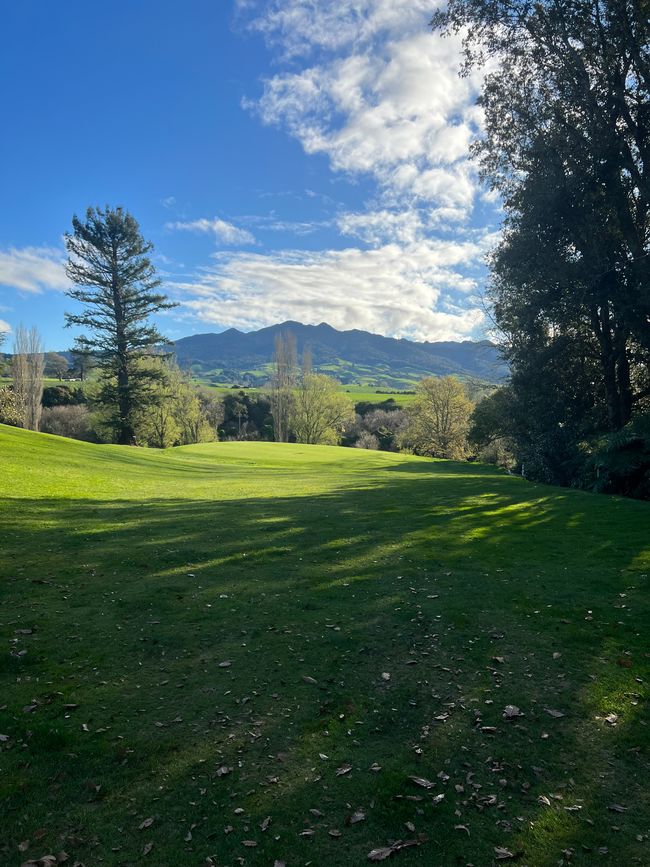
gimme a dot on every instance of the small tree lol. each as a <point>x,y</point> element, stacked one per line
<point>72,420</point>
<point>321,413</point>
<point>82,359</point>
<point>439,419</point>
<point>27,366</point>
<point>107,260</point>
<point>173,413</point>
<point>56,365</point>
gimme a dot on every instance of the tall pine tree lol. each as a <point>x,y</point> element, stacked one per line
<point>116,282</point>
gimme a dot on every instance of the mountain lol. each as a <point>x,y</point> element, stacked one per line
<point>351,356</point>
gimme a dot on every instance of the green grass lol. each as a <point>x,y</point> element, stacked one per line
<point>140,572</point>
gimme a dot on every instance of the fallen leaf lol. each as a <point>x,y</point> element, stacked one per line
<point>423,782</point>
<point>511,711</point>
<point>344,769</point>
<point>556,714</point>
<point>358,816</point>
<point>334,832</point>
<point>147,823</point>
<point>148,847</point>
<point>385,675</point>
<point>250,844</point>
<point>308,679</point>
<point>265,824</point>
<point>502,854</point>
<point>617,808</point>
<point>381,854</point>
<point>225,664</point>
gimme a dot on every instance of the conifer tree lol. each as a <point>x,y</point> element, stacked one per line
<point>116,283</point>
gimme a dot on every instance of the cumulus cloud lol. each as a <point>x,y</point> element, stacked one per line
<point>383,98</point>
<point>32,269</point>
<point>223,231</point>
<point>406,290</point>
<point>5,328</point>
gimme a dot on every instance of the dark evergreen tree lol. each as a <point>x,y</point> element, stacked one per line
<point>567,145</point>
<point>116,282</point>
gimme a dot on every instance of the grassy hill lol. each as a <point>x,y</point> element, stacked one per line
<point>247,651</point>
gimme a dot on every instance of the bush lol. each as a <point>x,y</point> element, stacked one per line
<point>620,463</point>
<point>62,395</point>
<point>68,421</point>
<point>9,410</point>
<point>367,440</point>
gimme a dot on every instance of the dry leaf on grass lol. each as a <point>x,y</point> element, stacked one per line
<point>423,782</point>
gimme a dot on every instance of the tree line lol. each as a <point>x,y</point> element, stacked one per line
<point>566,104</point>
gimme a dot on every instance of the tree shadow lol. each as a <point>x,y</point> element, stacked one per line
<point>184,630</point>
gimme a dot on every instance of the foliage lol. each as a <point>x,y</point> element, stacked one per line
<point>366,440</point>
<point>439,419</point>
<point>247,416</point>
<point>174,412</point>
<point>620,463</point>
<point>71,420</point>
<point>83,360</point>
<point>116,283</point>
<point>10,412</point>
<point>56,365</point>
<point>320,412</point>
<point>567,146</point>
<point>62,395</point>
<point>491,429</point>
<point>381,426</point>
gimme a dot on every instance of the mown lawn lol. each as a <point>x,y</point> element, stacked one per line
<point>244,652</point>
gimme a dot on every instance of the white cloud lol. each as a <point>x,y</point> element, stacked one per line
<point>224,232</point>
<point>383,99</point>
<point>32,269</point>
<point>5,328</point>
<point>393,289</point>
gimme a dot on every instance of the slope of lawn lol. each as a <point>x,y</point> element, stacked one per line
<point>238,653</point>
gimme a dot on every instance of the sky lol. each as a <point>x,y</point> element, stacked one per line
<point>289,159</point>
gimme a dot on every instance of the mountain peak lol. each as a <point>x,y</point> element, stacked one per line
<point>352,356</point>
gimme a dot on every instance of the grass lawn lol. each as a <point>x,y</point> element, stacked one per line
<point>248,651</point>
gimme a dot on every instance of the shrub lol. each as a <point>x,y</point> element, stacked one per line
<point>9,410</point>
<point>68,421</point>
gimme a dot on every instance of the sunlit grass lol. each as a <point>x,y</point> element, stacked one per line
<point>141,573</point>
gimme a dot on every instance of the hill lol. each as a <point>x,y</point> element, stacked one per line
<point>250,652</point>
<point>354,356</point>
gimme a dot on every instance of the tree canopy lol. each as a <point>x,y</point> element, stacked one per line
<point>567,146</point>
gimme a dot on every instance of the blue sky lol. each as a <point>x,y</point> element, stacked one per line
<point>286,160</point>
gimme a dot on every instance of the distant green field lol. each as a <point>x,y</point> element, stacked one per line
<point>256,652</point>
<point>356,393</point>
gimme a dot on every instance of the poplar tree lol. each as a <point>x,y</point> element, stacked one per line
<point>283,384</point>
<point>116,283</point>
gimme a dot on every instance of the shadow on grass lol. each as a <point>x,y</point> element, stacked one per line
<point>183,631</point>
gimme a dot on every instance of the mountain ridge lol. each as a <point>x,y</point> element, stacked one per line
<point>352,355</point>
